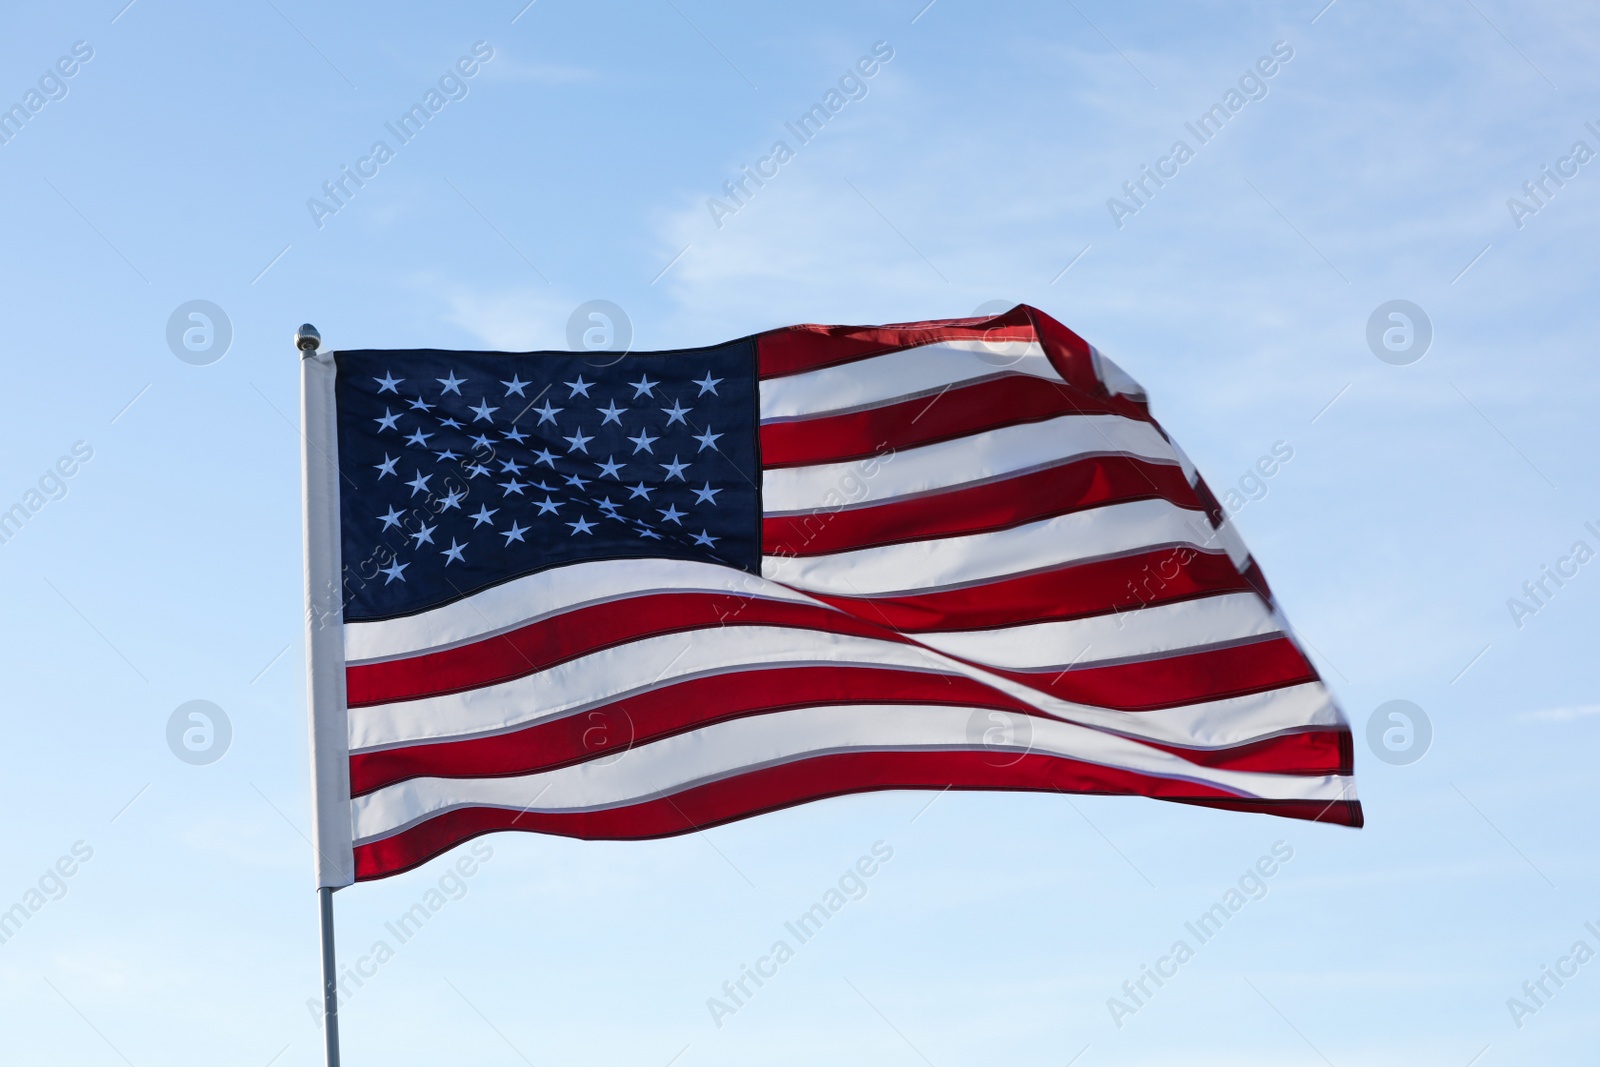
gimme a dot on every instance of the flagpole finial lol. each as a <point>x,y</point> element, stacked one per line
<point>307,339</point>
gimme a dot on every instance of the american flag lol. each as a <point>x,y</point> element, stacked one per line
<point>632,596</point>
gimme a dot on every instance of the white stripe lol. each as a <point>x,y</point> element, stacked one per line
<point>1114,378</point>
<point>897,375</point>
<point>1084,642</point>
<point>1228,722</point>
<point>943,562</point>
<point>535,597</point>
<point>1226,537</point>
<point>656,662</point>
<point>539,596</point>
<point>742,745</point>
<point>974,458</point>
<point>611,673</point>
<point>1190,471</point>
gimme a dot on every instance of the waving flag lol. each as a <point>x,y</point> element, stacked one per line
<point>628,597</point>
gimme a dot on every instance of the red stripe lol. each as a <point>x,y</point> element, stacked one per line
<point>1165,681</point>
<point>773,788</point>
<point>668,710</point>
<point>1314,750</point>
<point>1127,583</point>
<point>676,708</point>
<point>1072,591</point>
<point>982,406</point>
<point>1257,581</point>
<point>1069,354</point>
<point>1207,498</point>
<point>797,349</point>
<point>981,508</point>
<point>541,645</point>
<point>1171,681</point>
<point>1148,579</point>
<point>1339,812</point>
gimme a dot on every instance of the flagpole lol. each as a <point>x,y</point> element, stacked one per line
<point>330,979</point>
<point>330,757</point>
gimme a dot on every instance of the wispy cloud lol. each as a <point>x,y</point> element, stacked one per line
<point>541,73</point>
<point>522,319</point>
<point>1563,714</point>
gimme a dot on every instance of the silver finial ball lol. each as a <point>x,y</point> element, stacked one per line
<point>307,339</point>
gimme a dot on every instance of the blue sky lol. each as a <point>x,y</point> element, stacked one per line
<point>175,164</point>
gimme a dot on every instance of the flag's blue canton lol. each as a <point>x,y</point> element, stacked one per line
<point>461,470</point>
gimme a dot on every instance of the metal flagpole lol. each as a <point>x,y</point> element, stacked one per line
<point>330,979</point>
<point>330,755</point>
